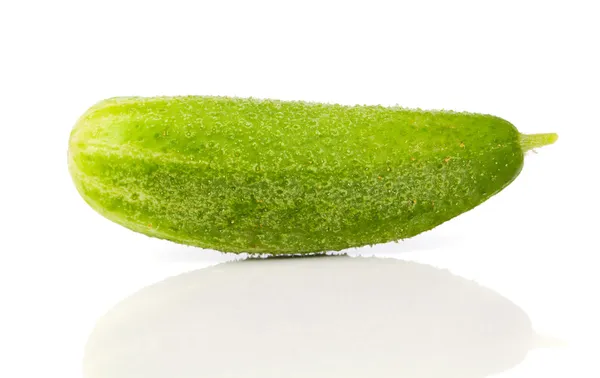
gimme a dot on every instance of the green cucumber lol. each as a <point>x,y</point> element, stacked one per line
<point>281,177</point>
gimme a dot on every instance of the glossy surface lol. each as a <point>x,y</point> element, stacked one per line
<point>354,317</point>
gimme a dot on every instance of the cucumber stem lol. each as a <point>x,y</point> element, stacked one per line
<point>531,141</point>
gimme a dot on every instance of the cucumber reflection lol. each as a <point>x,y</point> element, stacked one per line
<point>314,317</point>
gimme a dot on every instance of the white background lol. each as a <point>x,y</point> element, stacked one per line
<point>533,63</point>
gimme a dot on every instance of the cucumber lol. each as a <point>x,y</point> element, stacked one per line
<point>285,177</point>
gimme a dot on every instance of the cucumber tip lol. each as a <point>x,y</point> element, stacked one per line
<point>531,141</point>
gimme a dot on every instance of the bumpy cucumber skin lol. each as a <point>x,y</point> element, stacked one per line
<point>268,176</point>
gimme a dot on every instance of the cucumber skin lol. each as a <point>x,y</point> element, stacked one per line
<point>280,177</point>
